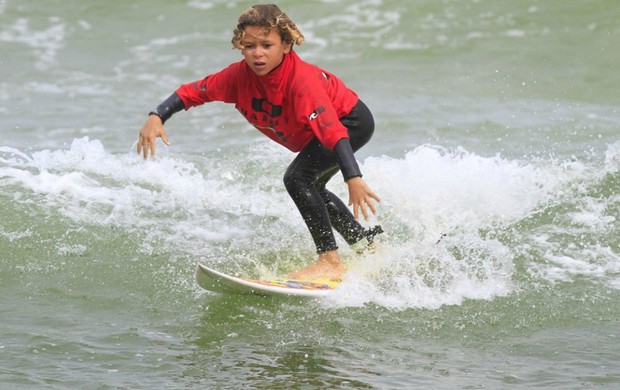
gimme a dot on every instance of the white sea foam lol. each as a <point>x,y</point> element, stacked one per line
<point>612,157</point>
<point>433,190</point>
<point>242,210</point>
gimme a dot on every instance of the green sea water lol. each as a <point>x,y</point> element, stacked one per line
<point>498,125</point>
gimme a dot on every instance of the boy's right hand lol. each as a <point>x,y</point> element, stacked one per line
<point>153,128</point>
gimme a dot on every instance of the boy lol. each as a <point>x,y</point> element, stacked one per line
<point>302,107</point>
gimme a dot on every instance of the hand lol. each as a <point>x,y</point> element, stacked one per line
<point>360,196</point>
<point>152,129</point>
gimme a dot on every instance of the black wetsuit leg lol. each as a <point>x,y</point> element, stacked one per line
<point>307,175</point>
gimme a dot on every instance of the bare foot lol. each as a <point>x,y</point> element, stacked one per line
<point>328,266</point>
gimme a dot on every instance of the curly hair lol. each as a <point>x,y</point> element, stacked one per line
<point>268,16</point>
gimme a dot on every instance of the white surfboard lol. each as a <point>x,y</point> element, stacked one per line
<point>219,282</point>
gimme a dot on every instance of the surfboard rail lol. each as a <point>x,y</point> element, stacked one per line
<point>216,281</point>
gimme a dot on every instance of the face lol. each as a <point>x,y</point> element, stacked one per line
<point>263,52</point>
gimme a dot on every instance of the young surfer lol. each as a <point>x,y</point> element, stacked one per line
<point>302,107</point>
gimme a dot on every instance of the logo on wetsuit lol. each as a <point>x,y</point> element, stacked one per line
<point>316,113</point>
<point>263,105</point>
<point>273,110</point>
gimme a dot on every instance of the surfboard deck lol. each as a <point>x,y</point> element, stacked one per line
<point>219,282</point>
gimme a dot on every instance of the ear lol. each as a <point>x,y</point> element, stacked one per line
<point>288,48</point>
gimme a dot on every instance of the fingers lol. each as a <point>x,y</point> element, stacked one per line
<point>372,208</point>
<point>375,197</point>
<point>364,211</point>
<point>361,197</point>
<point>147,140</point>
<point>364,205</point>
<point>370,204</point>
<point>153,148</point>
<point>146,145</point>
<point>164,137</point>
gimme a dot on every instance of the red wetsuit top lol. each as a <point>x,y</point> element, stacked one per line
<point>292,104</point>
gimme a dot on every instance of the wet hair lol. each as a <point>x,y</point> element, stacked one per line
<point>267,16</point>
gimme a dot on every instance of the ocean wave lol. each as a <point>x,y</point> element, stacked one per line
<point>557,217</point>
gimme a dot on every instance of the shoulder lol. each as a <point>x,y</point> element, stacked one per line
<point>307,76</point>
<point>311,72</point>
<point>304,68</point>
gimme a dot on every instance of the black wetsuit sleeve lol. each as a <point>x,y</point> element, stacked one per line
<point>346,159</point>
<point>168,107</point>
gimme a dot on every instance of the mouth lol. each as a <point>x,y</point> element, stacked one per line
<point>259,64</point>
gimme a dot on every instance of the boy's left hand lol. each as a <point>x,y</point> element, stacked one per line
<point>360,197</point>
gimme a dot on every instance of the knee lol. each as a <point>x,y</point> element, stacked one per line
<point>299,188</point>
<point>292,181</point>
